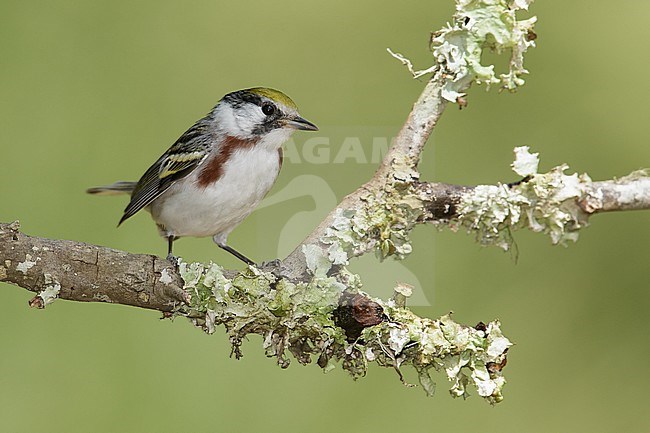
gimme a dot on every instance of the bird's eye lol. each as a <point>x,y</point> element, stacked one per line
<point>268,109</point>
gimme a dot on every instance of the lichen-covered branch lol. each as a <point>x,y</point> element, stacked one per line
<point>329,318</point>
<point>380,218</point>
<point>378,215</point>
<point>631,192</point>
<point>554,203</point>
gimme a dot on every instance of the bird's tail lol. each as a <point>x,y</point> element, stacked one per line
<point>117,188</point>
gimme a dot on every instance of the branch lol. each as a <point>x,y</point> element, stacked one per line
<point>631,192</point>
<point>87,273</point>
<point>554,203</point>
<point>327,316</point>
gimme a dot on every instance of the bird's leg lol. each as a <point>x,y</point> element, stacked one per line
<point>172,258</point>
<point>221,240</point>
<point>237,254</point>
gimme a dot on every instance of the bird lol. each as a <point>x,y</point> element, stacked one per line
<point>218,171</point>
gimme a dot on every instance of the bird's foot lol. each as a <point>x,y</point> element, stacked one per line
<point>275,263</point>
<point>176,261</point>
<point>273,266</point>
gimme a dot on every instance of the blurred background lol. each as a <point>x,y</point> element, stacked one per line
<point>93,92</point>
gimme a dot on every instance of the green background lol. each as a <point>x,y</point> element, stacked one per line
<point>92,92</point>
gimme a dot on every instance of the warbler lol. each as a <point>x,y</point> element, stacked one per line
<point>218,171</point>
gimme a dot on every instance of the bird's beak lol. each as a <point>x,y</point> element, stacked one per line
<point>302,124</point>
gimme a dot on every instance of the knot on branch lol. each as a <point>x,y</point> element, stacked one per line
<point>355,313</point>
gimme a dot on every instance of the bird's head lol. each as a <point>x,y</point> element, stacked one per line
<point>260,114</point>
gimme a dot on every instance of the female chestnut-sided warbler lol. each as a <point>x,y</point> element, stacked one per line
<point>218,171</point>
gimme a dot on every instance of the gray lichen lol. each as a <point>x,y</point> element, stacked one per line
<point>300,319</point>
<point>479,25</point>
<point>25,265</point>
<point>380,225</point>
<point>381,222</point>
<point>51,290</point>
<point>544,202</point>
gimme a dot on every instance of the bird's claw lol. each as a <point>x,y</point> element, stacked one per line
<point>174,261</point>
<point>274,267</point>
<point>275,263</point>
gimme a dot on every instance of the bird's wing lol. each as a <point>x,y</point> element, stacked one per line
<point>180,160</point>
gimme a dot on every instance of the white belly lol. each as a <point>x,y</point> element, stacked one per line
<point>187,209</point>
